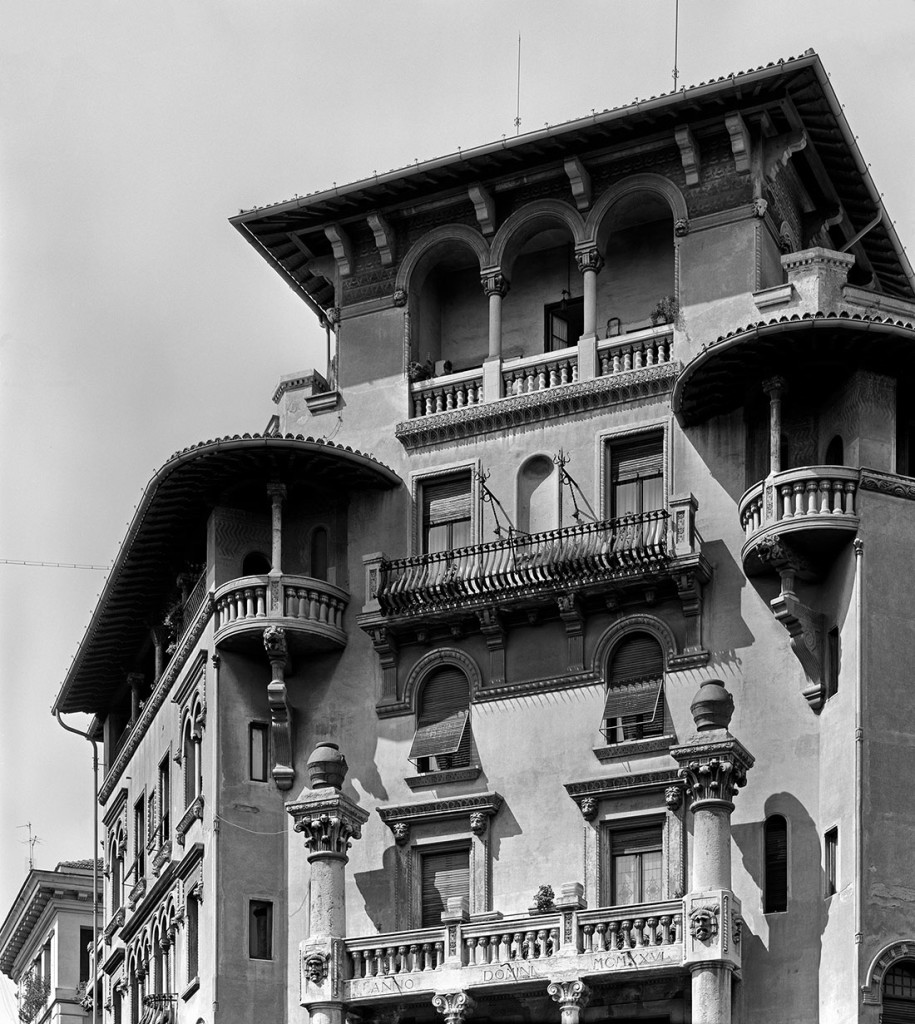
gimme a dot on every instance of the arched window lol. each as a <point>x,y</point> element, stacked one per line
<point>775,881</point>
<point>537,504</point>
<point>835,452</point>
<point>190,754</point>
<point>319,553</point>
<point>116,860</point>
<point>255,563</point>
<point>635,689</point>
<point>443,721</point>
<point>899,993</point>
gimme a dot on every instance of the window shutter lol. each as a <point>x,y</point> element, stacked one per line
<point>636,459</point>
<point>635,840</point>
<point>447,500</point>
<point>444,875</point>
<point>638,700</point>
<point>445,692</point>
<point>776,853</point>
<point>638,656</point>
<point>444,710</point>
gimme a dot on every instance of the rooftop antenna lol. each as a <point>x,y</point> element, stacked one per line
<point>676,38</point>
<point>518,104</point>
<point>32,840</point>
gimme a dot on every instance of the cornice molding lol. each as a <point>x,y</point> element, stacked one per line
<point>436,810</point>
<point>157,697</point>
<point>888,483</point>
<point>623,785</point>
<point>537,406</point>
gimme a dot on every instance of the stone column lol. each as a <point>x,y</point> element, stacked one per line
<point>572,997</point>
<point>774,387</point>
<point>590,263</point>
<point>329,822</point>
<point>713,765</point>
<point>495,288</point>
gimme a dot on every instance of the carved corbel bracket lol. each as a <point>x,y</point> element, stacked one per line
<point>493,630</point>
<point>384,237</point>
<point>484,207</point>
<point>689,153</point>
<point>775,152</point>
<point>689,590</point>
<point>573,619</point>
<point>385,645</point>
<point>280,712</point>
<point>342,247</point>
<point>580,180</point>
<point>740,141</point>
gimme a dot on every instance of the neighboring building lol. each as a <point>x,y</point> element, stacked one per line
<point>46,943</point>
<point>670,441</point>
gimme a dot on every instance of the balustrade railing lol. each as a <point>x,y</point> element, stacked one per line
<point>800,495</point>
<point>511,939</point>
<point>622,353</point>
<point>385,956</point>
<point>645,924</point>
<point>537,373</point>
<point>301,598</point>
<point>576,555</point>
<point>442,394</point>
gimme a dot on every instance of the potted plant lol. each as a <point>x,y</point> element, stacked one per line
<point>543,900</point>
<point>667,311</point>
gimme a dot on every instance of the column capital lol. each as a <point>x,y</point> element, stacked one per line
<point>572,996</point>
<point>775,386</point>
<point>713,771</point>
<point>329,822</point>
<point>276,490</point>
<point>456,1007</point>
<point>589,259</point>
<point>494,282</point>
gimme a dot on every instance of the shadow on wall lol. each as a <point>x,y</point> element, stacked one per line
<point>789,956</point>
<point>377,891</point>
<point>720,446</point>
<point>727,631</point>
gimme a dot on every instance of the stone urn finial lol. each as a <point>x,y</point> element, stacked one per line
<point>712,707</point>
<point>327,767</point>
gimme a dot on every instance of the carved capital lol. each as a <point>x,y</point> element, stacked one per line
<point>455,1007</point>
<point>713,772</point>
<point>329,822</point>
<point>572,996</point>
<point>495,283</point>
<point>589,259</point>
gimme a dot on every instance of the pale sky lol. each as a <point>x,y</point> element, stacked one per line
<point>135,321</point>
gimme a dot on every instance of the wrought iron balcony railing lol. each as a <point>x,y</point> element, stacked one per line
<point>525,564</point>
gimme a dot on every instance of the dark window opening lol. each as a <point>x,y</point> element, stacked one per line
<point>319,554</point>
<point>445,874</point>
<point>165,798</point>
<point>832,662</point>
<point>258,746</point>
<point>831,844</point>
<point>443,722</point>
<point>564,323</point>
<point>636,475</point>
<point>899,994</point>
<point>139,840</point>
<point>634,708</point>
<point>835,452</point>
<point>775,885</point>
<point>256,563</point>
<point>446,518</point>
<point>636,865</point>
<point>193,910</point>
<point>85,953</point>
<point>260,930</point>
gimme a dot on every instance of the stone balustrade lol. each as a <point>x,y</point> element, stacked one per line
<point>799,497</point>
<point>647,924</point>
<point>540,372</point>
<point>442,394</point>
<point>511,939</point>
<point>635,352</point>
<point>386,956</point>
<point>296,602</point>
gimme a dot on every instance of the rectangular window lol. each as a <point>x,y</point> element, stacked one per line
<point>85,945</point>
<point>165,821</point>
<point>193,911</point>
<point>444,874</point>
<point>635,858</point>
<point>260,929</point>
<point>635,475</point>
<point>564,323</point>
<point>446,513</point>
<point>139,840</point>
<point>831,845</point>
<point>634,711</point>
<point>258,736</point>
<point>832,662</point>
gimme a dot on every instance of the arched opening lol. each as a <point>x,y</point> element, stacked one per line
<point>775,856</point>
<point>638,282</point>
<point>899,993</point>
<point>450,318</point>
<point>537,505</point>
<point>835,452</point>
<point>442,721</point>
<point>634,708</point>
<point>255,563</point>
<point>319,553</point>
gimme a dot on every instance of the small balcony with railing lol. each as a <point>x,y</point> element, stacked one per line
<point>507,952</point>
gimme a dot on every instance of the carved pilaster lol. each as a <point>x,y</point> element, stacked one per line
<point>572,618</point>
<point>280,712</point>
<point>689,591</point>
<point>493,631</point>
<point>455,1007</point>
<point>328,821</point>
<point>572,997</point>
<point>385,645</point>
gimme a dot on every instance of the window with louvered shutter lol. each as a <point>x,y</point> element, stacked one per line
<point>446,513</point>
<point>636,475</point>
<point>775,888</point>
<point>442,726</point>
<point>899,994</point>
<point>636,864</point>
<point>444,874</point>
<point>634,707</point>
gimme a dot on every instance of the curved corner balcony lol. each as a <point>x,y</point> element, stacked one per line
<point>310,610</point>
<point>813,509</point>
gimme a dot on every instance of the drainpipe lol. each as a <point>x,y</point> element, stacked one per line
<point>91,739</point>
<point>865,230</point>
<point>859,738</point>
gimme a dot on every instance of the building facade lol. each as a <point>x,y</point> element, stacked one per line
<point>583,555</point>
<point>46,944</point>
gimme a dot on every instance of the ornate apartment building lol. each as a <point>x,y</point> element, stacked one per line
<point>544,658</point>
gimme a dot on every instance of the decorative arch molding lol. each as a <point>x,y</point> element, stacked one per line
<point>633,624</point>
<point>526,222</point>
<point>419,254</point>
<point>872,989</point>
<point>439,658</point>
<point>647,182</point>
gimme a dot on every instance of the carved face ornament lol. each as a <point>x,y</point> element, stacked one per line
<point>703,923</point>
